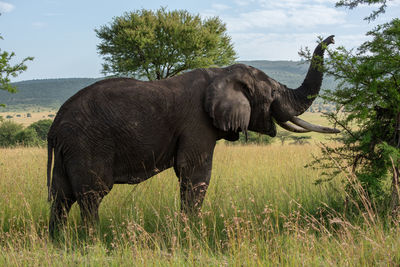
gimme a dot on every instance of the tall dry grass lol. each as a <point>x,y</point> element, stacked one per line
<point>261,208</point>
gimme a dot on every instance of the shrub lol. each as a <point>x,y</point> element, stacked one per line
<point>255,138</point>
<point>283,136</point>
<point>28,137</point>
<point>13,134</point>
<point>300,140</point>
<point>8,133</point>
<point>41,127</point>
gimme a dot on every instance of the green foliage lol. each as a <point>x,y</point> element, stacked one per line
<point>27,137</point>
<point>14,134</point>
<point>8,133</point>
<point>162,44</point>
<point>7,70</point>
<point>41,128</point>
<point>254,138</point>
<point>368,109</point>
<point>300,140</point>
<point>283,136</point>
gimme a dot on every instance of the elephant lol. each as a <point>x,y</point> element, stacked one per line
<point>124,131</point>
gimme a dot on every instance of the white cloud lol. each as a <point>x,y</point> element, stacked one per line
<point>273,46</point>
<point>294,3</point>
<point>256,19</point>
<point>351,41</point>
<point>298,15</point>
<point>326,1</point>
<point>393,3</point>
<point>277,30</point>
<point>313,15</point>
<point>6,7</point>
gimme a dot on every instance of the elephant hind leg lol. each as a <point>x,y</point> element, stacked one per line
<point>91,180</point>
<point>63,199</point>
<point>59,213</point>
<point>89,204</point>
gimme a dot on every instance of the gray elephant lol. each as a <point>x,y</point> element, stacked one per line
<point>124,131</point>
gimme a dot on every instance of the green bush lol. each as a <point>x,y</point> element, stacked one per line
<point>300,140</point>
<point>255,138</point>
<point>41,127</point>
<point>28,137</point>
<point>8,133</point>
<point>13,134</point>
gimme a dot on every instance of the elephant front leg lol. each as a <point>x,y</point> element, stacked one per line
<point>194,181</point>
<point>193,192</point>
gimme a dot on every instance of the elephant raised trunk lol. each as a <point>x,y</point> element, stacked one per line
<point>291,103</point>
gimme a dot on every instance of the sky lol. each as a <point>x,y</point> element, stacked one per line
<point>60,34</point>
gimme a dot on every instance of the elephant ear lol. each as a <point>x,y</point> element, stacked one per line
<point>226,101</point>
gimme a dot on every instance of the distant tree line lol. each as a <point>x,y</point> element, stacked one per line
<point>262,139</point>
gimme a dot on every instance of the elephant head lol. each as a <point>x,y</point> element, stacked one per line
<point>247,99</point>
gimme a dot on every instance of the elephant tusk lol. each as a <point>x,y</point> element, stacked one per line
<point>291,127</point>
<point>313,127</point>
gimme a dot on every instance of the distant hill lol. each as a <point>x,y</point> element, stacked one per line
<point>290,73</point>
<point>51,93</point>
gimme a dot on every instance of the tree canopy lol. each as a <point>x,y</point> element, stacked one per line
<point>160,44</point>
<point>368,110</point>
<point>8,70</point>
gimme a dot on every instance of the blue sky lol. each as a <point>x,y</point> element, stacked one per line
<point>60,34</point>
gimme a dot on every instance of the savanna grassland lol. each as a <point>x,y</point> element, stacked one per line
<point>262,209</point>
<point>28,117</point>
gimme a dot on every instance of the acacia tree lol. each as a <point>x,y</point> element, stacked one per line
<point>368,110</point>
<point>162,44</point>
<point>8,70</point>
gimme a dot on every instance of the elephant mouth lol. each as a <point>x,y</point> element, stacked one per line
<point>298,125</point>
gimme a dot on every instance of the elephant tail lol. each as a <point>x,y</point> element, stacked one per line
<point>49,164</point>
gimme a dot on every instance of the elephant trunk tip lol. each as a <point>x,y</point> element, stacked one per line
<point>329,40</point>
